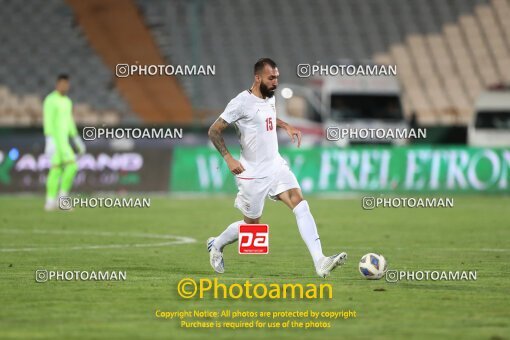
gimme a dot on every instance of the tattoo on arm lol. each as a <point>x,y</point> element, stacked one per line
<point>281,124</point>
<point>216,138</point>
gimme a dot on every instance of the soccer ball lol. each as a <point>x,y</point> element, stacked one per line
<point>373,266</point>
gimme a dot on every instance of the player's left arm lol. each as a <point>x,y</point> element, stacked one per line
<point>73,134</point>
<point>291,131</point>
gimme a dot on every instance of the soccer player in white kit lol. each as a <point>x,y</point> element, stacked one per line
<point>261,171</point>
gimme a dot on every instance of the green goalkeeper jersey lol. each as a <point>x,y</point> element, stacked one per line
<point>58,118</point>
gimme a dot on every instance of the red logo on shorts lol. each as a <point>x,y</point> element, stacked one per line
<point>253,239</point>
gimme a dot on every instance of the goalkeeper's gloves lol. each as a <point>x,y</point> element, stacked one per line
<point>79,145</point>
<point>49,147</point>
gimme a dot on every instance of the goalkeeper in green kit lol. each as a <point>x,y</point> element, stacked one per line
<point>59,126</point>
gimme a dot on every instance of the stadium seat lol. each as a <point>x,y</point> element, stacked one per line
<point>447,52</point>
<point>43,52</point>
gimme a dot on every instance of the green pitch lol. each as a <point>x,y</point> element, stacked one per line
<point>474,235</point>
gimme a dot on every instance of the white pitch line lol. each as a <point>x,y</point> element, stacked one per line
<point>176,240</point>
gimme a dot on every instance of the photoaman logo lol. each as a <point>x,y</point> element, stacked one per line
<point>188,288</point>
<point>253,239</point>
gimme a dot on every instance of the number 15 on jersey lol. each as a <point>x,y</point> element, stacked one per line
<point>269,124</point>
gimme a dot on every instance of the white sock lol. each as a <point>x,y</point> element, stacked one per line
<point>228,236</point>
<point>308,230</point>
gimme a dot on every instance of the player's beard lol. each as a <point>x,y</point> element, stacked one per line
<point>265,91</point>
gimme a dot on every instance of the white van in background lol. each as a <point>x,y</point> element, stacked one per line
<point>363,102</point>
<point>490,125</point>
<point>355,102</point>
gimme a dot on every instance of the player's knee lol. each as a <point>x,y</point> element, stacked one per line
<point>249,220</point>
<point>71,167</point>
<point>55,170</point>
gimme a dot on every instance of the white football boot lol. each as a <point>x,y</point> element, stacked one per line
<point>215,256</point>
<point>50,205</point>
<point>328,263</point>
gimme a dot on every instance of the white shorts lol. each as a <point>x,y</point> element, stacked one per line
<point>253,191</point>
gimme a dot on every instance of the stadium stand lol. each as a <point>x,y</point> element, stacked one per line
<point>35,48</point>
<point>446,52</point>
<point>118,34</point>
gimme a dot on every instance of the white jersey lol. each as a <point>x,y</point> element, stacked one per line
<point>255,121</point>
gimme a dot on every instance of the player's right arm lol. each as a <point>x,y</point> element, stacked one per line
<point>73,134</point>
<point>48,117</point>
<point>215,135</point>
<point>49,126</point>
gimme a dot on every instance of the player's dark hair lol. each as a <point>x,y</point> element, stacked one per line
<point>63,76</point>
<point>259,65</point>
